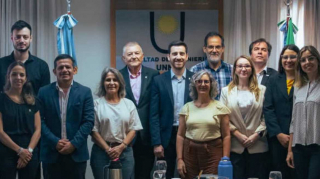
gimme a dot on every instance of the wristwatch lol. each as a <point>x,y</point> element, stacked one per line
<point>30,150</point>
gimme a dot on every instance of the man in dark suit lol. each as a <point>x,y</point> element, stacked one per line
<point>169,92</point>
<point>67,118</point>
<point>260,51</point>
<point>138,83</point>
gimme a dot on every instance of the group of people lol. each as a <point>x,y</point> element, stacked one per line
<point>190,118</point>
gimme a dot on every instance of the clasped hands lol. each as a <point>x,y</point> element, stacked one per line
<point>24,158</point>
<point>247,141</point>
<point>115,152</point>
<point>65,147</point>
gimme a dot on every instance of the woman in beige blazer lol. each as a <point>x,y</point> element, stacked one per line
<point>244,97</point>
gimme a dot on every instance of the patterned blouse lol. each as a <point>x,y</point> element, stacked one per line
<point>305,124</point>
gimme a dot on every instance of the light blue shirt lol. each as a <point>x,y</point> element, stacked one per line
<point>178,88</point>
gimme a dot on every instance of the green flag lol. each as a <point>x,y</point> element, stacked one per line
<point>290,37</point>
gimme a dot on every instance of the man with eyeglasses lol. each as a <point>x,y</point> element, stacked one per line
<point>260,51</point>
<point>221,71</point>
<point>169,92</point>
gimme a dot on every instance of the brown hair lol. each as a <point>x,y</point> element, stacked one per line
<point>253,82</point>
<point>301,78</point>
<point>101,91</point>
<point>27,90</point>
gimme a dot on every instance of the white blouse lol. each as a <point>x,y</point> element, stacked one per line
<point>114,121</point>
<point>245,101</point>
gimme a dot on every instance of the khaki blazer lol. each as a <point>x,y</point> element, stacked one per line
<point>253,122</point>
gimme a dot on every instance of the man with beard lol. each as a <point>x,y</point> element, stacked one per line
<point>37,69</point>
<point>138,83</point>
<point>221,71</point>
<point>169,92</point>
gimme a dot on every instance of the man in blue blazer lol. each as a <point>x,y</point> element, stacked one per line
<point>169,92</point>
<point>67,118</point>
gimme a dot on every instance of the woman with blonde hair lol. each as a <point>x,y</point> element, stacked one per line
<point>304,145</point>
<point>244,97</point>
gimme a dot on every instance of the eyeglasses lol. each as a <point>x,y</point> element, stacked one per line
<point>243,66</point>
<point>203,81</point>
<point>310,59</point>
<point>286,57</point>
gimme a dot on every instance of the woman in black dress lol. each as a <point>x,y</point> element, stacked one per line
<point>20,126</point>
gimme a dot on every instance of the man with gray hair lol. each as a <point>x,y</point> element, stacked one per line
<point>220,70</point>
<point>138,86</point>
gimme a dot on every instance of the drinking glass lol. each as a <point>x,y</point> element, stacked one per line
<point>275,175</point>
<point>221,177</point>
<point>161,165</point>
<point>159,174</point>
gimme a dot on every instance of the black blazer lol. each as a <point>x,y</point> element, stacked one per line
<point>161,107</point>
<point>270,72</point>
<point>277,106</point>
<point>143,106</point>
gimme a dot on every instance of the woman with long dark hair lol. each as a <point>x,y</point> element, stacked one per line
<point>277,109</point>
<point>20,126</point>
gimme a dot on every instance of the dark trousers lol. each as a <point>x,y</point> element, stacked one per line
<point>170,154</point>
<point>247,165</point>
<point>144,159</point>
<point>307,161</point>
<point>279,155</point>
<point>66,168</point>
<point>9,159</point>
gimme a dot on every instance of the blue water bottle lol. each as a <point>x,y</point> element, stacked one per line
<point>225,168</point>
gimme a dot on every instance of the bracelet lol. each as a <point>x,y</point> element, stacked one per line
<point>126,145</point>
<point>19,151</point>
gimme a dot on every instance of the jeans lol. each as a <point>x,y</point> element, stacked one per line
<point>307,161</point>
<point>9,158</point>
<point>100,159</point>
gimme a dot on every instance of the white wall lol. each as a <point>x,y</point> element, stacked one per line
<point>92,42</point>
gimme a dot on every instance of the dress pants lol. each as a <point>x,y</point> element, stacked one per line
<point>9,159</point>
<point>66,168</point>
<point>307,161</point>
<point>100,160</point>
<point>199,156</point>
<point>170,154</point>
<point>247,165</point>
<point>279,155</point>
<point>143,157</point>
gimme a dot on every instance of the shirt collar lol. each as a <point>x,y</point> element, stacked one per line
<point>222,65</point>
<point>30,58</point>
<point>58,87</point>
<point>173,76</point>
<point>133,76</point>
<point>264,71</point>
